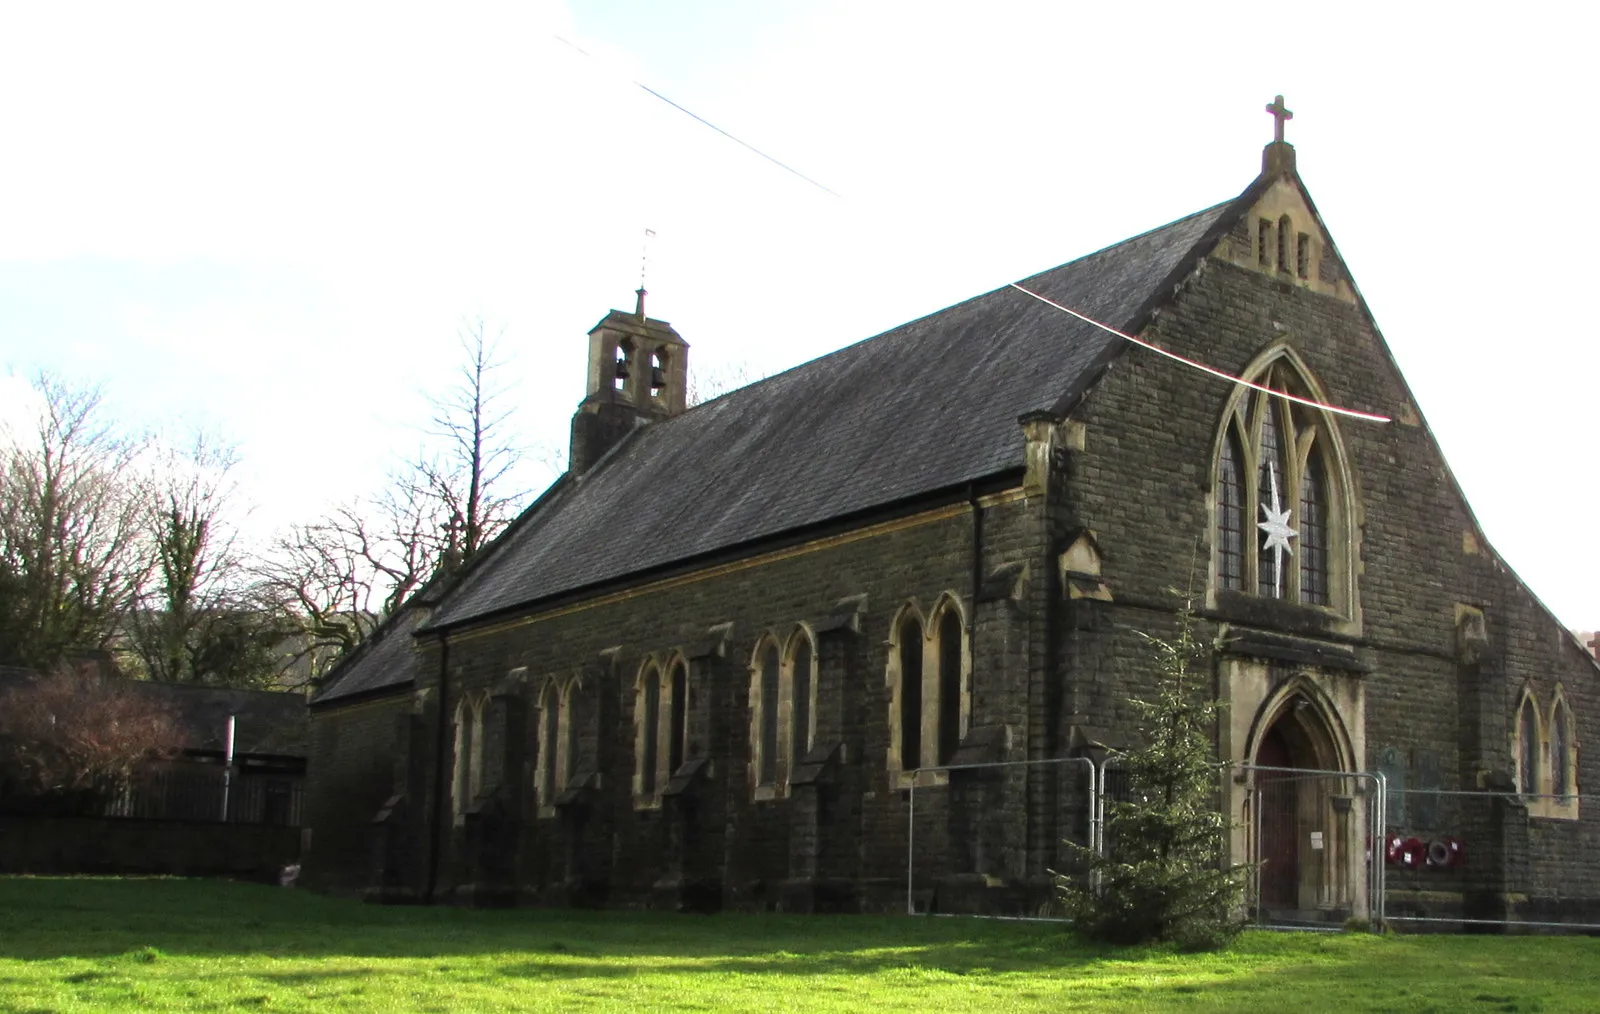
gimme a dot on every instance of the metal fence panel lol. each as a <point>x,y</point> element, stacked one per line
<point>1492,860</point>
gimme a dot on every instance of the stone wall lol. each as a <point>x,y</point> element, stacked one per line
<point>1442,709</point>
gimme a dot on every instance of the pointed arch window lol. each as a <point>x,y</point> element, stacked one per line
<point>678,717</point>
<point>1313,532</point>
<point>647,737</point>
<point>1281,522</point>
<point>557,742</point>
<point>468,768</point>
<point>766,684</point>
<point>1230,514</point>
<point>800,687</point>
<point>931,677</point>
<point>908,647</point>
<point>1528,748</point>
<point>661,726</point>
<point>547,780</point>
<point>950,724</point>
<point>1560,752</point>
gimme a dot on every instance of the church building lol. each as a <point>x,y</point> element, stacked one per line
<point>865,634</point>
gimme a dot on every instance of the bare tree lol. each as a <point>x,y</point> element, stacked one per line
<point>198,620</point>
<point>342,574</point>
<point>466,478</point>
<point>72,553</point>
<point>718,379</point>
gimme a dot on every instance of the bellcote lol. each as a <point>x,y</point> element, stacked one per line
<point>638,372</point>
<point>1281,235</point>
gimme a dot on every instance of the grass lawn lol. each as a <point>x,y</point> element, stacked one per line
<point>97,945</point>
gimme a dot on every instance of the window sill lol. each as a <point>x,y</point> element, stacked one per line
<point>921,779</point>
<point>647,802</point>
<point>769,792</point>
<point>1553,809</point>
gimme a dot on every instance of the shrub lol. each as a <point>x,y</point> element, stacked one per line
<point>71,739</point>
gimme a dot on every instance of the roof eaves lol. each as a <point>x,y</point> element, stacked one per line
<point>1000,478</point>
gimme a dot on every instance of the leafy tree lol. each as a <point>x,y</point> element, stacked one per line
<point>1166,873</point>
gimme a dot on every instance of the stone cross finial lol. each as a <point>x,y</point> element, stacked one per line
<point>1279,114</point>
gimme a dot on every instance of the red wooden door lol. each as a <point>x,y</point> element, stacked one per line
<point>1277,800</point>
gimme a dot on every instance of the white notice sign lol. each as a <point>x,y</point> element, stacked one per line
<point>1316,840</point>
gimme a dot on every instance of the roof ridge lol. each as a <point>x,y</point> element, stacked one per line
<point>944,309</point>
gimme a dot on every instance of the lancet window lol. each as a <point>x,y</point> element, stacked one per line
<point>468,767</point>
<point>557,746</point>
<point>931,680</point>
<point>661,727</point>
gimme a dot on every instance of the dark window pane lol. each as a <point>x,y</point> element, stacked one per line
<point>1313,527</point>
<point>801,734</point>
<point>549,730</point>
<point>651,720</point>
<point>1230,514</point>
<point>910,694</point>
<point>769,716</point>
<point>949,685</point>
<point>1560,769</point>
<point>1528,733</point>
<point>680,718</point>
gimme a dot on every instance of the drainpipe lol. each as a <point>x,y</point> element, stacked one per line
<point>441,739</point>
<point>977,584</point>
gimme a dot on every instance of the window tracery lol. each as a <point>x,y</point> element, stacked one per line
<point>1280,524</point>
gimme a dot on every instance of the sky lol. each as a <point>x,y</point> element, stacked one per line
<point>272,222</point>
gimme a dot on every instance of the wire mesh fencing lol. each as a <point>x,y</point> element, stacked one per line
<point>1491,861</point>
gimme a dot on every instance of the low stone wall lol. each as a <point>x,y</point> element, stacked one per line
<point>123,845</point>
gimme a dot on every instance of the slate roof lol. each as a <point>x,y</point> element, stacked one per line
<point>265,721</point>
<point>384,660</point>
<point>930,405</point>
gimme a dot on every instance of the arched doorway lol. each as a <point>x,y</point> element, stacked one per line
<point>1300,819</point>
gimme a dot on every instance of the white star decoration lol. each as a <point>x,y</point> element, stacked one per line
<point>1278,532</point>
